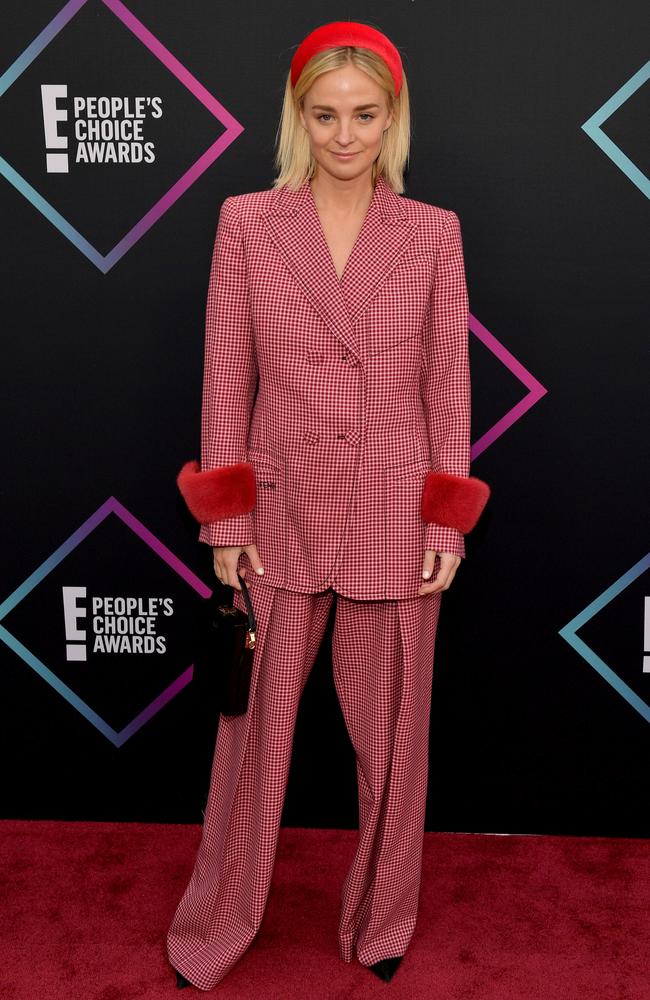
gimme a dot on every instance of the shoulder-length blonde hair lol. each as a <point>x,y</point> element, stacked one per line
<point>293,157</point>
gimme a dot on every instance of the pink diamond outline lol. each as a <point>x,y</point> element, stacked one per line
<point>535,388</point>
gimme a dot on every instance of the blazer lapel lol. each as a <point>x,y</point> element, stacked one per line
<point>295,226</point>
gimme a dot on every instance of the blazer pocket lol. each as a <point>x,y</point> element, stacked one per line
<point>415,256</point>
<point>268,513</point>
<point>389,341</point>
<point>263,460</point>
<point>404,527</point>
<point>414,466</point>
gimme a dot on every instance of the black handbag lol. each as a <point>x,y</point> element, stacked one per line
<point>229,648</point>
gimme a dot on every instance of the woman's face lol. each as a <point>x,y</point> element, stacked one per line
<point>344,111</point>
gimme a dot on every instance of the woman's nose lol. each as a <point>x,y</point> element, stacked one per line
<point>344,134</point>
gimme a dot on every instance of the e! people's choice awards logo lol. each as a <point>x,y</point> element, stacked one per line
<point>104,129</point>
<point>113,624</point>
<point>109,621</point>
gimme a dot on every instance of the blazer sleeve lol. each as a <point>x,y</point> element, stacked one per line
<point>452,500</point>
<point>220,492</point>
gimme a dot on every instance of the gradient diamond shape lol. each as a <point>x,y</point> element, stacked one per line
<point>593,128</point>
<point>569,632</point>
<point>232,130</point>
<point>535,389</point>
<point>110,506</point>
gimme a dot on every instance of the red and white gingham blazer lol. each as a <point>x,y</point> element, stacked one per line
<point>336,414</point>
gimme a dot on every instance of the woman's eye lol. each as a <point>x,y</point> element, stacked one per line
<point>364,114</point>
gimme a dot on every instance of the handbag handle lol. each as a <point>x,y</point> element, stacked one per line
<point>252,624</point>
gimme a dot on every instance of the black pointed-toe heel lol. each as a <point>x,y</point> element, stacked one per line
<point>386,967</point>
<point>181,981</point>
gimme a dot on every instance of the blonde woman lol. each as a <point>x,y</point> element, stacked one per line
<point>335,456</point>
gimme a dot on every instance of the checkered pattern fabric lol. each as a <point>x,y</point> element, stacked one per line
<point>382,656</point>
<point>341,394</point>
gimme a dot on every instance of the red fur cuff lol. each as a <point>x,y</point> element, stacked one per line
<point>226,491</point>
<point>454,501</point>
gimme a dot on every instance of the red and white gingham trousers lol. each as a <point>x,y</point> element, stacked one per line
<point>382,656</point>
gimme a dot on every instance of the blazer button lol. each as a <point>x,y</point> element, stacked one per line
<point>352,437</point>
<point>312,437</point>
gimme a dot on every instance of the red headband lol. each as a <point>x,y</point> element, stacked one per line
<point>335,33</point>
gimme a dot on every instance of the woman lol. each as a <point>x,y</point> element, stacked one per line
<point>334,460</point>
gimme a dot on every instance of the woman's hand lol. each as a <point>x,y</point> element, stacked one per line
<point>225,560</point>
<point>449,563</point>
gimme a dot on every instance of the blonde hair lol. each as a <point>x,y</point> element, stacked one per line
<point>293,158</point>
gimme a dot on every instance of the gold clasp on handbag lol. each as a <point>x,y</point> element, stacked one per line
<point>250,639</point>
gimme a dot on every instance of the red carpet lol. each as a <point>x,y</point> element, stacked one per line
<point>86,907</point>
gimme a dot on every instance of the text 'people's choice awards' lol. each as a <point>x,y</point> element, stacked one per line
<point>104,129</point>
<point>116,624</point>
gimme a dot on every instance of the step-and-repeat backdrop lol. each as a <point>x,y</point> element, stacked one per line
<point>122,129</point>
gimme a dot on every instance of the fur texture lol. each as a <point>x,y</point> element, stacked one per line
<point>454,501</point>
<point>227,491</point>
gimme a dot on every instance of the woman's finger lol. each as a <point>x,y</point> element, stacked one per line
<point>443,580</point>
<point>219,570</point>
<point>230,575</point>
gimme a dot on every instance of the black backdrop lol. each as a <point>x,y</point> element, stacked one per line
<point>540,722</point>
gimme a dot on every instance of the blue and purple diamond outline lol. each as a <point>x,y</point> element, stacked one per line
<point>594,128</point>
<point>232,127</point>
<point>110,506</point>
<point>569,632</point>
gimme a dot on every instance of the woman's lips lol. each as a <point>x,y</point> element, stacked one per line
<point>344,156</point>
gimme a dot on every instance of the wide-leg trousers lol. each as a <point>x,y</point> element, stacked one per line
<point>382,658</point>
